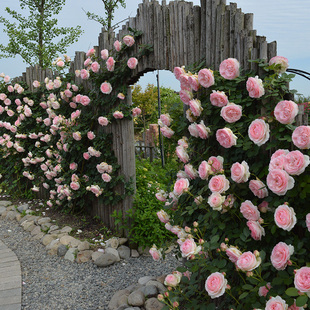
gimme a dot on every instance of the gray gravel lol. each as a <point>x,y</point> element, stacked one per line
<point>50,282</point>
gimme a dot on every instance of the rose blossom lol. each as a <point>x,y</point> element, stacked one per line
<point>285,217</point>
<point>136,111</point>
<point>195,106</point>
<point>110,64</point>
<point>193,130</point>
<point>226,137</point>
<point>155,253</point>
<point>106,177</point>
<point>219,184</point>
<point>258,188</point>
<point>296,162</point>
<point>249,211</point>
<point>90,135</point>
<point>286,111</point>
<point>280,255</point>
<point>255,87</point>
<point>263,290</point>
<point>276,303</point>
<point>190,171</point>
<point>129,40</point>
<point>178,71</point>
<point>280,61</point>
<point>193,82</point>
<point>302,280</point>
<point>215,201</point>
<point>166,119</point>
<point>104,54</point>
<point>259,132</point>
<point>77,136</point>
<point>75,185</point>
<point>180,186</point>
<point>240,172</point>
<point>167,132</point>
<point>182,154</point>
<point>163,216</point>
<point>173,280</point>
<point>216,163</point>
<point>215,285</point>
<point>189,248</point>
<point>161,196</point>
<point>218,98</point>
<point>204,170</point>
<point>106,88</point>
<point>206,78</point>
<point>301,137</point>
<point>132,63</point>
<point>95,67</point>
<point>118,114</point>
<point>203,131</point>
<point>186,96</point>
<point>233,253</point>
<point>229,68</point>
<point>279,181</point>
<point>184,82</point>
<point>231,113</point>
<point>294,307</point>
<point>308,221</point>
<point>117,45</point>
<point>84,75</point>
<point>85,100</point>
<point>248,261</point>
<point>103,121</point>
<point>257,231</point>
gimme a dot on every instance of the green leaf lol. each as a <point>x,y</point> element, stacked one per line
<point>292,291</point>
<point>243,295</point>
<point>301,300</point>
<point>247,287</point>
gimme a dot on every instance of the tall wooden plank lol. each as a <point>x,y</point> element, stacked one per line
<point>232,10</point>
<point>271,49</point>
<point>203,20</point>
<point>248,21</point>
<point>226,34</point>
<point>209,32</point>
<point>166,37</point>
<point>219,42</point>
<point>239,25</point>
<point>197,34</point>
<point>248,51</point>
<point>214,35</point>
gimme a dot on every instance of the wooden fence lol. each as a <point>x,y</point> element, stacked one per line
<point>181,34</point>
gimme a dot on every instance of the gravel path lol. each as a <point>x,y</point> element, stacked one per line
<point>52,283</point>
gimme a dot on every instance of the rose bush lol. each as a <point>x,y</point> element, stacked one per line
<point>244,242</point>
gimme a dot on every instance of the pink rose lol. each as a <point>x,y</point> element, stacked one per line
<point>285,217</point>
<point>163,216</point>
<point>226,137</point>
<point>186,96</point>
<point>103,121</point>
<point>255,87</point>
<point>204,170</point>
<point>193,82</point>
<point>110,64</point>
<point>277,163</point>
<point>86,156</point>
<point>229,68</point>
<point>294,307</point>
<point>73,166</point>
<point>190,171</point>
<point>87,62</point>
<point>279,181</point>
<point>182,154</point>
<point>104,54</point>
<point>106,88</point>
<point>215,285</point>
<point>129,40</point>
<point>219,184</point>
<point>263,207</point>
<point>248,261</point>
<point>296,162</point>
<point>95,67</point>
<point>259,132</point>
<point>90,52</point>
<point>240,172</point>
<point>308,221</point>
<point>181,186</point>
<point>263,290</point>
<point>257,231</point>
<point>84,75</point>
<point>155,253</point>
<point>249,211</point>
<point>132,63</point>
<point>85,100</point>
<point>173,280</point>
<point>184,82</point>
<point>216,163</point>
<point>118,115</point>
<point>276,303</point>
<point>301,137</point>
<point>203,131</point>
<point>280,62</point>
<point>190,116</point>
<point>258,188</point>
<point>206,78</point>
<point>233,254</point>
<point>166,119</point>
<point>189,248</point>
<point>215,201</point>
<point>193,130</point>
<point>280,255</point>
<point>117,45</point>
<point>231,113</point>
<point>136,112</point>
<point>77,136</point>
<point>90,135</point>
<point>178,71</point>
<point>218,98</point>
<point>195,106</point>
<point>75,185</point>
<point>167,132</point>
<point>286,111</point>
<point>302,279</point>
<point>161,196</point>
<point>106,177</point>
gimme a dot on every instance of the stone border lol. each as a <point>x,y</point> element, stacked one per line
<point>10,279</point>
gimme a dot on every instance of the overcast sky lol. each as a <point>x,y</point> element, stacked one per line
<point>285,21</point>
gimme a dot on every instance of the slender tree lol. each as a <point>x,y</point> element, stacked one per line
<point>34,37</point>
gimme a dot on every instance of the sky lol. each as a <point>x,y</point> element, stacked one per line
<point>284,21</point>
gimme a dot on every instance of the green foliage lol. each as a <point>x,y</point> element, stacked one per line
<point>151,177</point>
<point>33,37</point>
